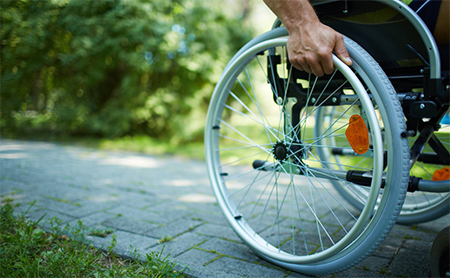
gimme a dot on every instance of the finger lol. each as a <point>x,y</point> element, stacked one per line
<point>299,68</point>
<point>315,66</point>
<point>317,69</point>
<point>296,65</point>
<point>307,68</point>
<point>303,66</point>
<point>328,65</point>
<point>341,51</point>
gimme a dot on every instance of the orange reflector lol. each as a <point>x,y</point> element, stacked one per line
<point>357,134</point>
<point>441,174</point>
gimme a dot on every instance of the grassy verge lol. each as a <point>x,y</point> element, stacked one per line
<point>147,145</point>
<point>26,250</point>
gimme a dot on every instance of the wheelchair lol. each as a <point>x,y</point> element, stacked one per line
<point>312,173</point>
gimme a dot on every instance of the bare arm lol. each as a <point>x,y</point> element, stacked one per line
<point>311,43</point>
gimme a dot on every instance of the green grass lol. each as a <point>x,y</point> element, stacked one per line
<point>384,271</point>
<point>147,145</point>
<point>26,250</point>
<point>165,239</point>
<point>100,232</point>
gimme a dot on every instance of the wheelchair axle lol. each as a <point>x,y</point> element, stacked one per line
<point>363,178</point>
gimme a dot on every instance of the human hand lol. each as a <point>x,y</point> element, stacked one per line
<point>310,48</point>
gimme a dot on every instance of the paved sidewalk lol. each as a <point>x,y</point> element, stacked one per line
<point>147,198</point>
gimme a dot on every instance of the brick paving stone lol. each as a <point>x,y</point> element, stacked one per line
<point>56,205</point>
<point>174,228</point>
<point>127,243</point>
<point>10,187</point>
<point>131,225</point>
<point>297,275</point>
<point>418,245</point>
<point>218,231</point>
<point>95,219</point>
<point>47,215</point>
<point>212,218</point>
<point>136,200</point>
<point>410,264</point>
<point>373,263</point>
<point>25,176</point>
<point>410,233</point>
<point>145,198</point>
<point>230,267</point>
<point>89,207</point>
<point>206,207</point>
<point>389,247</point>
<point>436,225</point>
<point>169,204</point>
<point>233,249</point>
<point>195,261</point>
<point>353,272</point>
<point>175,215</point>
<point>179,244</point>
<point>131,212</point>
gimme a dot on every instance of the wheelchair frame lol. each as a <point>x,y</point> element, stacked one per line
<point>433,103</point>
<point>263,203</point>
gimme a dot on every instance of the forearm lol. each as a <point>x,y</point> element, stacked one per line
<point>293,13</point>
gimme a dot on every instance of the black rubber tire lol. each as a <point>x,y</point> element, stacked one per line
<point>440,255</point>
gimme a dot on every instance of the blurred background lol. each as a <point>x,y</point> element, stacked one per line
<point>119,74</point>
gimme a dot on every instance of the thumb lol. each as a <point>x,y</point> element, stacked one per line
<point>341,51</point>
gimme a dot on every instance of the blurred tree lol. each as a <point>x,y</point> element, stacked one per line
<point>113,68</point>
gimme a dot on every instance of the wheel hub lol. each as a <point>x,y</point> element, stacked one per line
<point>280,151</point>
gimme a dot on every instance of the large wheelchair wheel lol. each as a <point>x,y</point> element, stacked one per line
<point>264,165</point>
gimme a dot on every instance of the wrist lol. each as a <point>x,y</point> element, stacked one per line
<point>297,26</point>
<point>298,15</point>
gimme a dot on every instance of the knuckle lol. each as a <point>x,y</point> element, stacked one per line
<point>310,59</point>
<point>324,54</point>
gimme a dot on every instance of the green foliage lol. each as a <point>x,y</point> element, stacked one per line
<point>28,251</point>
<point>113,68</point>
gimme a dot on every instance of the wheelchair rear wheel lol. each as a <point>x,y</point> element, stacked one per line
<point>264,160</point>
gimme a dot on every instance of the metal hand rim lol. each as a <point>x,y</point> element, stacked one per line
<point>240,226</point>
